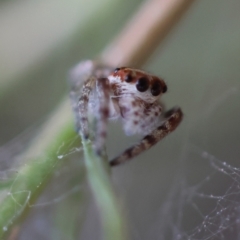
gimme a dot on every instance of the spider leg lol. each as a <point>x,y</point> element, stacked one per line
<point>102,115</point>
<point>174,117</point>
<point>83,79</point>
<point>82,108</point>
<point>74,103</point>
<point>81,84</point>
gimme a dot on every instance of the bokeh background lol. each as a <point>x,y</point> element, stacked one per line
<point>186,187</point>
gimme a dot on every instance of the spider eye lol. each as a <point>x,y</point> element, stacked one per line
<point>128,78</point>
<point>156,88</point>
<point>142,84</point>
<point>164,89</point>
<point>116,70</point>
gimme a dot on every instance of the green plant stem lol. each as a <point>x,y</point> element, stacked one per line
<point>40,162</point>
<point>98,178</point>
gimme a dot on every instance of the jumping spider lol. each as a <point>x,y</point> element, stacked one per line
<point>129,94</point>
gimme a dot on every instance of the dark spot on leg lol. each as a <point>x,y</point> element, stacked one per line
<point>127,155</point>
<point>135,122</point>
<point>83,119</point>
<point>84,136</point>
<point>84,98</point>
<point>136,113</point>
<point>105,112</point>
<point>150,139</point>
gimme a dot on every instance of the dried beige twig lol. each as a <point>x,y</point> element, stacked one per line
<point>144,32</point>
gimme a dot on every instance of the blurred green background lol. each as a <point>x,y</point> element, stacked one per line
<point>184,188</point>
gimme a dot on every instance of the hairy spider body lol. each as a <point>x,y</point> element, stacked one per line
<point>125,93</point>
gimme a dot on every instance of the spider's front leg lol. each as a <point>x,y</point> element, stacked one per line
<point>81,81</point>
<point>103,89</point>
<point>82,109</point>
<point>100,111</point>
<point>173,118</point>
<point>90,93</point>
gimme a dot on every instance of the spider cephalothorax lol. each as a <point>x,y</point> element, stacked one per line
<point>135,96</point>
<point>129,94</point>
<point>147,87</point>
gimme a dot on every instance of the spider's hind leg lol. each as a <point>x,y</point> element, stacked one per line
<point>174,117</point>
